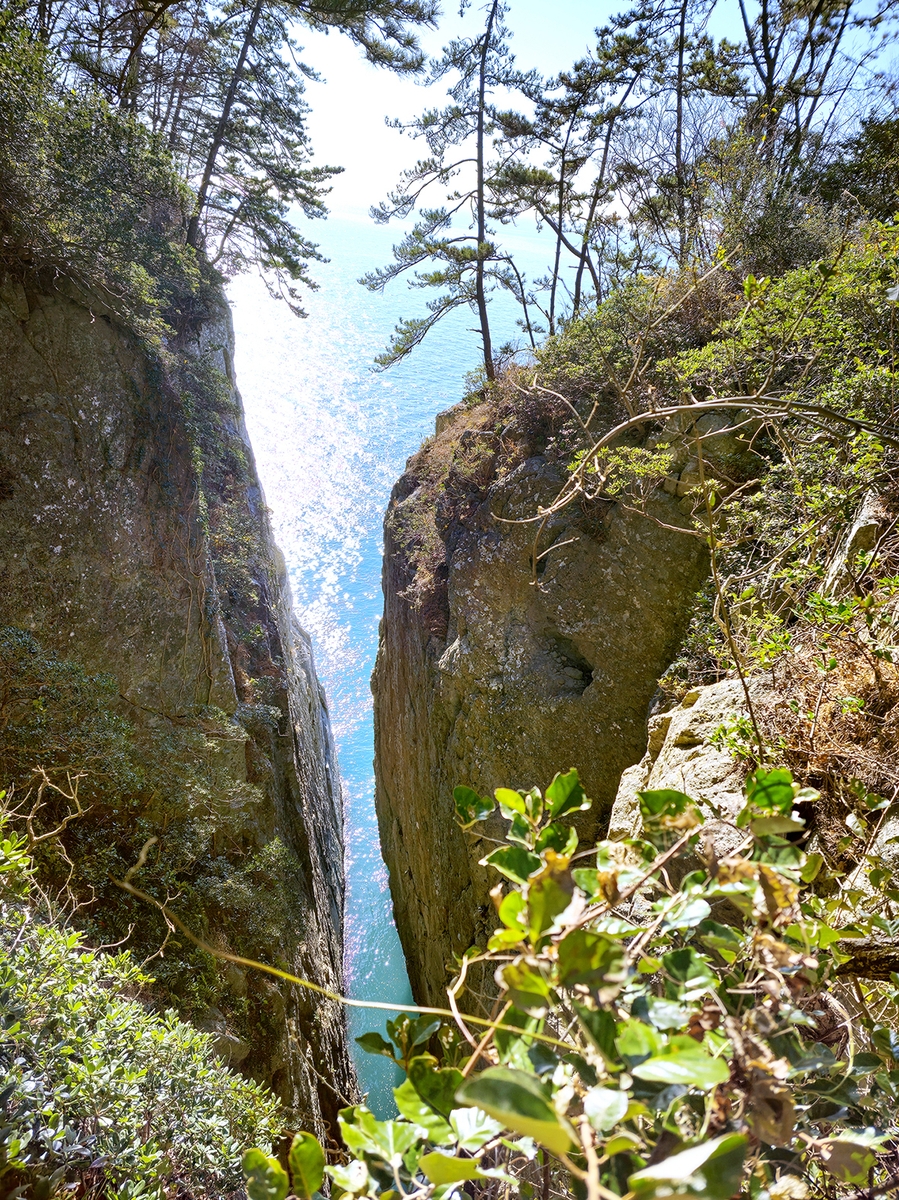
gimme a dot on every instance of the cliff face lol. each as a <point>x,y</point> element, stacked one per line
<point>487,678</point>
<point>134,541</point>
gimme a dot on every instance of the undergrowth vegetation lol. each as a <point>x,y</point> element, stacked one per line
<point>646,1038</point>
<point>99,1093</point>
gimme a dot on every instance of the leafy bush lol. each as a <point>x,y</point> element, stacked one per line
<point>87,192</point>
<point>670,1019</point>
<point>98,1092</point>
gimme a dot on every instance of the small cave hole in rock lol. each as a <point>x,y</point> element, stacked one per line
<point>577,672</point>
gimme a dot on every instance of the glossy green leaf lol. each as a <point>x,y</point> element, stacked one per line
<point>411,1106</point>
<point>473,1128</point>
<point>711,1170</point>
<point>686,1064</point>
<point>605,1107</point>
<point>548,895</point>
<point>470,807</point>
<point>663,802</point>
<point>363,1133</point>
<point>373,1043</point>
<point>436,1085</point>
<point>566,795</point>
<point>510,802</point>
<point>520,1104</point>
<point>527,985</point>
<point>561,838</point>
<point>442,1168</point>
<point>594,960</point>
<point>689,973</point>
<point>306,1160</point>
<point>265,1178</point>
<point>514,862</point>
<point>352,1178</point>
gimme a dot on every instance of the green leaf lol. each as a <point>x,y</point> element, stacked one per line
<point>473,1128</point>
<point>770,791</point>
<point>373,1043</point>
<point>510,802</point>
<point>352,1178</point>
<point>470,807</point>
<point>664,802</point>
<point>517,1100</point>
<point>436,1085</point>
<point>592,959</point>
<point>266,1178</point>
<point>849,1157</point>
<point>548,895</point>
<point>690,972</point>
<point>560,838</point>
<point>527,985</point>
<point>512,911</point>
<point>811,867</point>
<point>605,1107</point>
<point>306,1160</point>
<point>364,1133</point>
<point>685,1064</point>
<point>413,1108</point>
<point>443,1168</point>
<point>711,1170</point>
<point>514,862</point>
<point>566,795</point>
<point>766,826</point>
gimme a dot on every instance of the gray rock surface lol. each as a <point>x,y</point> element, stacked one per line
<point>493,681</point>
<point>116,552</point>
<point>680,754</point>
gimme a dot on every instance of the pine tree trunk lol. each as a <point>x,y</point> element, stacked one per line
<point>193,229</point>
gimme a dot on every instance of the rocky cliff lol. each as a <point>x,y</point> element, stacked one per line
<point>495,670</point>
<point>142,589</point>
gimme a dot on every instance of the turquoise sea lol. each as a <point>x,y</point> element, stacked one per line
<point>331,437</point>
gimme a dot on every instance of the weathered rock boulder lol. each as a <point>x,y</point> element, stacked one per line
<point>134,541</point>
<point>492,673</point>
<point>683,753</point>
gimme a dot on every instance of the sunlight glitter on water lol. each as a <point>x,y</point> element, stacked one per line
<point>330,439</point>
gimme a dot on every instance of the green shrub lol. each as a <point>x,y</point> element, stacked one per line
<point>98,1092</point>
<point>670,1020</point>
<point>88,192</point>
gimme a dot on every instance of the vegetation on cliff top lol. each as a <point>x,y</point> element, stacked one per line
<point>669,1019</point>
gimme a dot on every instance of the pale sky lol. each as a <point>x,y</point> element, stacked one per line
<point>348,109</point>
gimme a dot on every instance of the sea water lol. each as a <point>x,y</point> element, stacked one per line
<point>331,436</point>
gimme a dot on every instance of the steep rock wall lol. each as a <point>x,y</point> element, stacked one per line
<point>134,540</point>
<point>486,679</point>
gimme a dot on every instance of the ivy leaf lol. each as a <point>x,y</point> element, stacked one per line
<point>352,1178</point>
<point>711,1170</point>
<point>566,795</point>
<point>306,1160</point>
<point>518,1101</point>
<point>443,1168</point>
<point>605,1107</point>
<point>470,807</point>
<point>266,1178</point>
<point>514,862</point>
